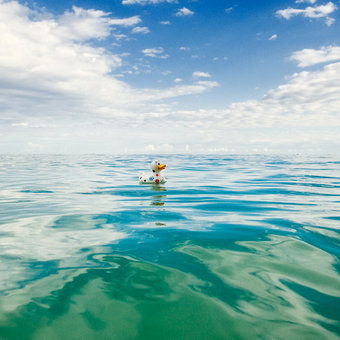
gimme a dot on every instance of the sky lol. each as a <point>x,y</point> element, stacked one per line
<point>170,76</point>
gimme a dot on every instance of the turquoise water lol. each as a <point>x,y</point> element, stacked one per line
<point>239,247</point>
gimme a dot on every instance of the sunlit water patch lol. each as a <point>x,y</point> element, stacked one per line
<point>237,247</point>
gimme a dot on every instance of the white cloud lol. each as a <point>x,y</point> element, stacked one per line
<point>198,74</point>
<point>61,66</point>
<point>165,22</point>
<point>310,12</point>
<point>155,52</point>
<point>81,24</point>
<point>48,66</point>
<point>184,12</point>
<point>309,1</point>
<point>124,54</point>
<point>330,21</point>
<point>126,21</point>
<point>228,10</point>
<point>308,57</point>
<point>146,2</point>
<point>307,99</point>
<point>121,37</point>
<point>273,37</point>
<point>178,90</point>
<point>139,29</point>
<point>178,80</point>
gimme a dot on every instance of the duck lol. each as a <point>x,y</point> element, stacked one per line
<point>155,177</point>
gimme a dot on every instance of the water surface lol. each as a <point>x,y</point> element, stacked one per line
<point>231,247</point>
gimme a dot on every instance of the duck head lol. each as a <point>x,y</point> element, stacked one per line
<point>156,166</point>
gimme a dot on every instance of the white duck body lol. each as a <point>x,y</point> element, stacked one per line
<point>155,177</point>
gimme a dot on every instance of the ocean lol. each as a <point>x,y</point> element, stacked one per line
<point>231,247</point>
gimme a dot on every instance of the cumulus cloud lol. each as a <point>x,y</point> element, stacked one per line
<point>307,99</point>
<point>45,65</point>
<point>329,21</point>
<point>301,101</point>
<point>184,12</point>
<point>80,24</point>
<point>146,2</point>
<point>178,90</point>
<point>308,57</point>
<point>120,36</point>
<point>309,12</point>
<point>309,1</point>
<point>126,21</point>
<point>141,30</point>
<point>155,52</point>
<point>273,37</point>
<point>199,74</point>
<point>49,72</point>
<point>321,11</point>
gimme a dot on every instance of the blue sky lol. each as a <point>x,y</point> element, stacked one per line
<point>157,76</point>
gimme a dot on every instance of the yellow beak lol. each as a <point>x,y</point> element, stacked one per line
<point>161,167</point>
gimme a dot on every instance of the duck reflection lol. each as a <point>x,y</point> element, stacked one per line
<point>158,200</point>
<point>158,188</point>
